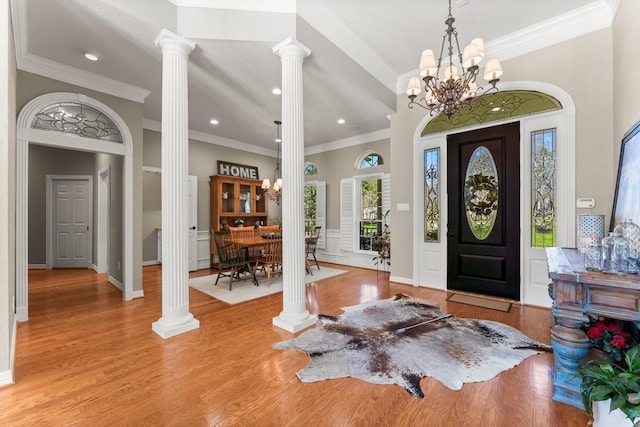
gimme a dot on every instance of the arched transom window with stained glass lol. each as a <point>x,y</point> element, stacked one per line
<point>77,119</point>
<point>369,159</point>
<point>481,193</point>
<point>310,169</point>
<point>432,195</point>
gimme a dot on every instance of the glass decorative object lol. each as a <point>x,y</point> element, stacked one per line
<point>615,254</point>
<point>631,232</point>
<point>593,258</point>
<point>590,230</point>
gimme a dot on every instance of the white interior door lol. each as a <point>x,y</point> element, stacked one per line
<point>72,223</point>
<point>193,222</point>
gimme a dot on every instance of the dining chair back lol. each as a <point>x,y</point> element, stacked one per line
<point>233,261</point>
<point>269,262</point>
<point>311,246</point>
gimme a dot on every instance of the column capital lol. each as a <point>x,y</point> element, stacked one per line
<point>167,39</point>
<point>291,46</point>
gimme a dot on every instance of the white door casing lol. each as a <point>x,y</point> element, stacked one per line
<point>102,232</point>
<point>25,136</point>
<point>192,194</point>
<point>430,258</point>
<point>69,221</point>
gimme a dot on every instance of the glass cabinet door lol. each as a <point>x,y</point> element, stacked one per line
<point>261,199</point>
<point>227,197</point>
<point>245,198</point>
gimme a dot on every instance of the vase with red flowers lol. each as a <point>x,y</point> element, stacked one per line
<point>608,336</point>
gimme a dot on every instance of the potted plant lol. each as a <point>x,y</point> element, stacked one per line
<point>607,335</point>
<point>382,243</point>
<point>602,381</point>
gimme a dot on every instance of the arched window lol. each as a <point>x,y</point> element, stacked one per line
<point>495,106</point>
<point>76,119</point>
<point>310,169</point>
<point>369,159</point>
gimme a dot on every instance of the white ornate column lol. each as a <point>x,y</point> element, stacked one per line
<point>294,316</point>
<point>176,317</point>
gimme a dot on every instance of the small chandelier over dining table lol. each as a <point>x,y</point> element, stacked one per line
<point>454,91</point>
<point>275,192</point>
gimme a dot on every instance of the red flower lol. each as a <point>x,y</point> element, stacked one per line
<point>615,329</point>
<point>618,341</point>
<point>595,332</point>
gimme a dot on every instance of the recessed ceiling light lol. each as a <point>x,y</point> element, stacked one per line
<point>92,55</point>
<point>341,121</point>
<point>276,91</point>
<point>214,122</point>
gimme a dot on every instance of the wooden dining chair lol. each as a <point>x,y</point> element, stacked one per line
<point>311,244</point>
<point>248,234</point>
<point>270,261</point>
<point>233,260</point>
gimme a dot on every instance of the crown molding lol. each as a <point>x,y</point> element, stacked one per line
<point>587,19</point>
<point>279,6</point>
<point>349,142</point>
<point>64,73</point>
<point>156,126</point>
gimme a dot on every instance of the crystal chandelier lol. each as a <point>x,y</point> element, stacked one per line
<point>275,192</point>
<point>454,91</point>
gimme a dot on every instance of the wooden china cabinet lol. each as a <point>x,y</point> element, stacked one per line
<point>234,198</point>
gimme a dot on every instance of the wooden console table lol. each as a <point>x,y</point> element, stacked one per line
<point>577,293</point>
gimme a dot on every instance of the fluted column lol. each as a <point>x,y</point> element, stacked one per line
<point>176,317</point>
<point>294,315</point>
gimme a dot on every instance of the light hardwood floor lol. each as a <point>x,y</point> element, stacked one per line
<point>86,358</point>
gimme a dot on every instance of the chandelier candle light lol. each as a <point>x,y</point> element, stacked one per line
<point>275,193</point>
<point>454,91</point>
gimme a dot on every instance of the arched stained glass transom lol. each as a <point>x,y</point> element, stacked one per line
<point>369,159</point>
<point>310,169</point>
<point>77,119</point>
<point>495,106</point>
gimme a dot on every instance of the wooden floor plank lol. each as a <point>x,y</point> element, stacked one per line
<point>86,357</point>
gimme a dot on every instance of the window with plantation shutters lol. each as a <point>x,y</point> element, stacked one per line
<point>364,200</point>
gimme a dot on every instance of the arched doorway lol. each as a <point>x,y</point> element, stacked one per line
<point>430,255</point>
<point>28,133</point>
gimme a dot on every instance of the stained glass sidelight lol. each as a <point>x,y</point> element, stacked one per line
<point>432,195</point>
<point>543,194</point>
<point>77,119</point>
<point>481,193</point>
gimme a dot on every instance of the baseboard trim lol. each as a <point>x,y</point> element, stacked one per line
<point>152,262</point>
<point>6,377</point>
<point>37,266</point>
<point>115,283</point>
<point>137,294</point>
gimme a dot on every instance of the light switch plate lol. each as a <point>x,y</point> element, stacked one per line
<point>403,207</point>
<point>586,203</point>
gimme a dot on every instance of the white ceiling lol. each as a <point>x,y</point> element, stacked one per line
<point>362,50</point>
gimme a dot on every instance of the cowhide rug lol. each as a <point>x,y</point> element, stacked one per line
<point>401,340</point>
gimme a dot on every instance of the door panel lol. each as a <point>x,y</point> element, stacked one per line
<point>483,230</point>
<point>72,223</point>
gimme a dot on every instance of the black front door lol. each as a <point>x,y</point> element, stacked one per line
<point>483,230</point>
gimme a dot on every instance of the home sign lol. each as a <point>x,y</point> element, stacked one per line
<point>233,169</point>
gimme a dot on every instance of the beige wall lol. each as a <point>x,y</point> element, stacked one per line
<point>203,158</point>
<point>626,66</point>
<point>7,190</point>
<point>565,65</point>
<point>30,86</point>
<point>45,161</point>
<point>337,164</point>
